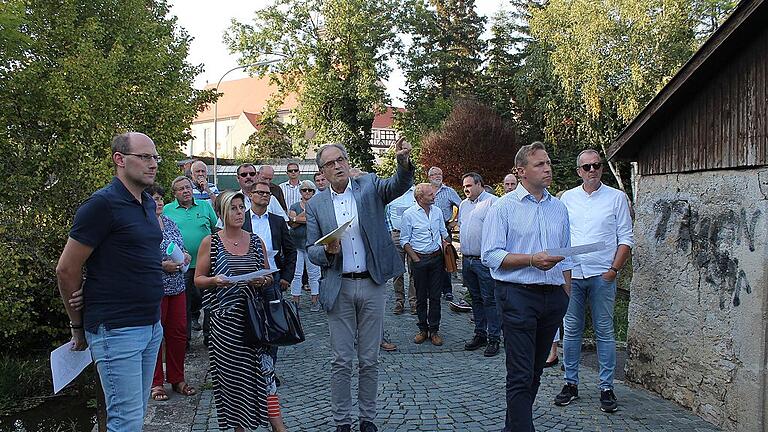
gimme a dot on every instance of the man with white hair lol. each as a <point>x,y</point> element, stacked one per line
<point>203,189</point>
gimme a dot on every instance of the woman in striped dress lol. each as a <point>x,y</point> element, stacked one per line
<point>244,387</point>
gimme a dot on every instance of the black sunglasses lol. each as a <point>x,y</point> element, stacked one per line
<point>263,193</point>
<point>307,190</point>
<point>292,170</point>
<point>246,174</point>
<point>588,167</point>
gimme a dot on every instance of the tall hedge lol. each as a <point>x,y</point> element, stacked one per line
<point>86,71</point>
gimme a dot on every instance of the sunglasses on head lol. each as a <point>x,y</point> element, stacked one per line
<point>589,167</point>
<point>307,190</point>
<point>293,170</point>
<point>246,174</point>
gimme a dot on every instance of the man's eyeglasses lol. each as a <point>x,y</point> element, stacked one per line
<point>307,190</point>
<point>588,167</point>
<point>331,164</point>
<point>246,174</point>
<point>145,157</point>
<point>263,193</point>
<point>294,170</point>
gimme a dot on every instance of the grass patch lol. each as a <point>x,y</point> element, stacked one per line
<point>22,381</point>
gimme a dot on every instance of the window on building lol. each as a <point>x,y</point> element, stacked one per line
<point>206,138</point>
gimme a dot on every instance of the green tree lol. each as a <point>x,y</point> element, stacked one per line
<point>333,55</point>
<point>270,141</point>
<point>89,71</point>
<point>442,63</point>
<point>610,58</point>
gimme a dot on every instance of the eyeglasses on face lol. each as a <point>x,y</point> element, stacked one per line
<point>330,164</point>
<point>145,157</point>
<point>263,193</point>
<point>588,167</point>
<point>292,170</point>
<point>307,190</point>
<point>181,188</point>
<point>246,174</point>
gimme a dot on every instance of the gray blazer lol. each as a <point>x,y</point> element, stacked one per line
<point>382,259</point>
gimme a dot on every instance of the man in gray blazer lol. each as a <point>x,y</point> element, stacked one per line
<point>354,271</point>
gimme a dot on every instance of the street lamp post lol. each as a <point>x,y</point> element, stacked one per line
<point>216,115</point>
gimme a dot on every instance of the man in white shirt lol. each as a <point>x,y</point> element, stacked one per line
<point>291,187</point>
<point>422,236</point>
<point>480,283</point>
<point>596,212</point>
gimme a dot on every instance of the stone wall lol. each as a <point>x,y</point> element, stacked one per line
<point>699,305</point>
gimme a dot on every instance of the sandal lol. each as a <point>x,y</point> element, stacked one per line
<point>183,388</point>
<point>158,394</point>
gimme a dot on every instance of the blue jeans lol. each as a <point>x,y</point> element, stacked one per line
<point>125,359</point>
<point>481,285</point>
<point>530,317</point>
<point>601,296</point>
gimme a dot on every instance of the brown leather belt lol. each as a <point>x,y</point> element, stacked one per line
<point>430,255</point>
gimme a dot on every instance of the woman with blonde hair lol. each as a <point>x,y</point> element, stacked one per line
<point>243,376</point>
<point>298,223</point>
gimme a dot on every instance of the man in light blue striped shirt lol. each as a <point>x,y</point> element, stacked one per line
<point>531,286</point>
<point>422,237</point>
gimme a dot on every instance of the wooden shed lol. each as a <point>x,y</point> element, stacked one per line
<point>698,319</point>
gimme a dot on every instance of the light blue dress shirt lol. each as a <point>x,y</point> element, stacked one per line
<point>424,233</point>
<point>472,216</point>
<point>517,223</point>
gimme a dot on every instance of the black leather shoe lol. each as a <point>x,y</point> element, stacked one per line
<point>344,428</point>
<point>366,426</point>
<point>476,342</point>
<point>492,349</point>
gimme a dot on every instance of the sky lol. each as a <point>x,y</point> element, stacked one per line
<point>207,24</point>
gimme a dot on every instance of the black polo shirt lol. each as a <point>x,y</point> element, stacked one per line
<point>123,276</point>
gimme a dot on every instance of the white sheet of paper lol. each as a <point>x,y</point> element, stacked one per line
<point>177,255</point>
<point>250,276</point>
<point>577,250</point>
<point>335,234</point>
<point>66,365</point>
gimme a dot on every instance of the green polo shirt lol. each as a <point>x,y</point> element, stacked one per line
<point>194,223</point>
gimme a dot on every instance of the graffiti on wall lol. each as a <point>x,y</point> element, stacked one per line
<point>710,240</point>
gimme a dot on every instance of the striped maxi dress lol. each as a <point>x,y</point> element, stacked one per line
<point>242,376</point>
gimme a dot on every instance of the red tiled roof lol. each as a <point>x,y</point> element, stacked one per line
<point>386,119</point>
<point>254,119</point>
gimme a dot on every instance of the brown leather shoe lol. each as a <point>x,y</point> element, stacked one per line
<point>398,309</point>
<point>388,346</point>
<point>420,337</point>
<point>437,340</point>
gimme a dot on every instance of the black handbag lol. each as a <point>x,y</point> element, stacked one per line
<point>273,323</point>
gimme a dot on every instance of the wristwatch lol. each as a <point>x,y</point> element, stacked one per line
<point>614,269</point>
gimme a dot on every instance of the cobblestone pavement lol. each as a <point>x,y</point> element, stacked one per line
<point>428,388</point>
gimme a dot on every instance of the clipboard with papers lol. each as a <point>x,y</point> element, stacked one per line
<point>335,234</point>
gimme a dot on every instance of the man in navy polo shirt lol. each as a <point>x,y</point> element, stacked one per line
<point>116,236</point>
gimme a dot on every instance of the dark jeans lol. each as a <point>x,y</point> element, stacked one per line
<point>194,301</point>
<point>481,286</point>
<point>531,315</point>
<point>427,276</point>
